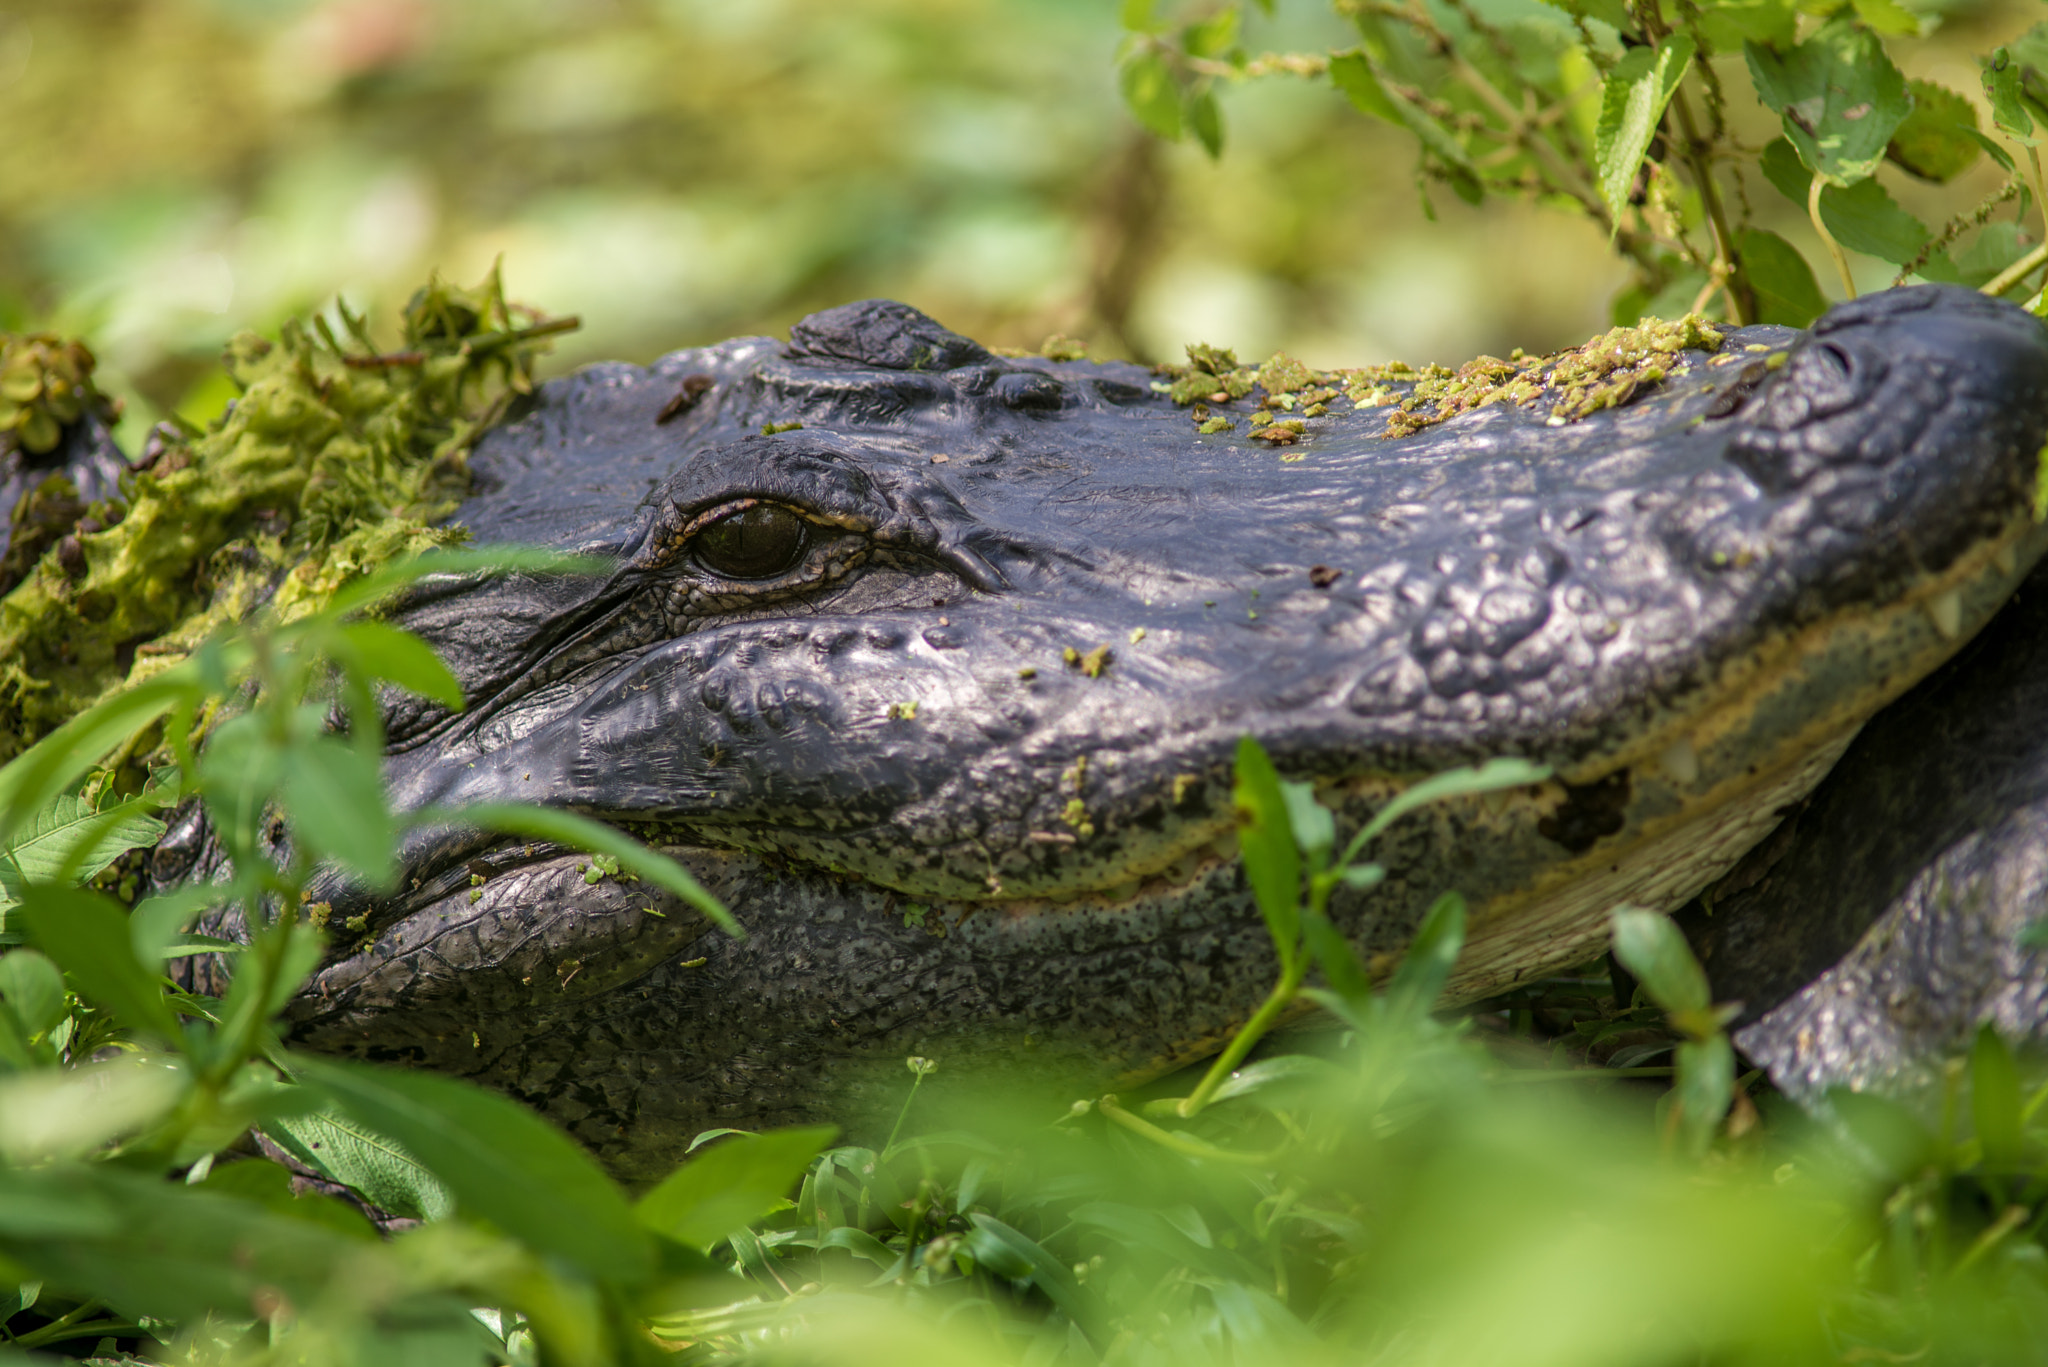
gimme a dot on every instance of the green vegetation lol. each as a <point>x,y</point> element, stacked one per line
<point>1619,110</point>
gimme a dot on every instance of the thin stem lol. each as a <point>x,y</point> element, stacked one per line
<point>1262,1020</point>
<point>1727,261</point>
<point>1834,247</point>
<point>2012,1219</point>
<point>1179,1143</point>
<point>2016,272</point>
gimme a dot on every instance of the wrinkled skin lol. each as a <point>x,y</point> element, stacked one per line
<point>1686,606</point>
<point>1874,932</point>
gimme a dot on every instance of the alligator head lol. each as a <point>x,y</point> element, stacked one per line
<point>939,691</point>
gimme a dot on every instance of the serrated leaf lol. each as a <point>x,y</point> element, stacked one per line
<point>1272,861</point>
<point>731,1185</point>
<point>67,829</point>
<point>1864,218</point>
<point>1936,142</point>
<point>1632,101</point>
<point>1785,290</point>
<point>2009,110</point>
<point>1151,93</point>
<point>1838,96</point>
<point>57,763</point>
<point>373,1165</point>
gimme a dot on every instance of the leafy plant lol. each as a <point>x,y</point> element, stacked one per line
<point>1621,110</point>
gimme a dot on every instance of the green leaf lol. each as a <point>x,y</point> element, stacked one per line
<point>1995,1099</point>
<point>580,832</point>
<point>1205,120</point>
<point>2011,112</point>
<point>1705,1089</point>
<point>1272,864</point>
<point>371,1164</point>
<point>156,923</point>
<point>991,1239</point>
<point>1727,26</point>
<point>1490,777</point>
<point>731,1185</point>
<point>69,1113</point>
<point>1937,141</point>
<point>1315,830</point>
<point>1151,93</point>
<point>57,762</point>
<point>1653,949</point>
<point>1612,13</point>
<point>87,934</point>
<point>1335,956</point>
<point>1214,36</point>
<point>502,1162</point>
<point>1888,16</point>
<point>1785,290</point>
<point>66,830</point>
<point>270,1186</point>
<point>1353,74</point>
<point>1136,16</point>
<point>1426,967</point>
<point>1838,95</point>
<point>1632,101</point>
<point>32,986</point>
<point>384,652</point>
<point>334,794</point>
<point>1863,218</point>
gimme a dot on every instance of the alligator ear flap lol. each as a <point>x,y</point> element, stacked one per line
<point>886,335</point>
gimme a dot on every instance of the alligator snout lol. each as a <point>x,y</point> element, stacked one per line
<point>965,643</point>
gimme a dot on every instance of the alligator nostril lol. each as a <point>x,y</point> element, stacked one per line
<point>1029,392</point>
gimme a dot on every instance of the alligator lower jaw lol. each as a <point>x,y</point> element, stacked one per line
<point>1731,772</point>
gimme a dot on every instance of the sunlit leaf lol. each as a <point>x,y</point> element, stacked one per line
<point>1838,95</point>
<point>730,1185</point>
<point>1315,829</point>
<point>1272,862</point>
<point>1728,25</point>
<point>1493,776</point>
<point>66,832</point>
<point>1887,16</point>
<point>69,1113</point>
<point>1632,101</point>
<point>367,1162</point>
<point>33,987</point>
<point>55,764</point>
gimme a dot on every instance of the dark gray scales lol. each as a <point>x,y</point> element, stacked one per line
<point>853,713</point>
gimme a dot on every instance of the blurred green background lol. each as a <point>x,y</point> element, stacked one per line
<point>677,171</point>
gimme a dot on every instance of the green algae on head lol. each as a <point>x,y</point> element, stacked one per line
<point>46,385</point>
<point>335,458</point>
<point>1606,372</point>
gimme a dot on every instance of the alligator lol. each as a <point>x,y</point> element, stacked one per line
<point>931,664</point>
<point>1893,914</point>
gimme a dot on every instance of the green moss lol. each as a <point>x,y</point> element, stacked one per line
<point>334,459</point>
<point>45,385</point>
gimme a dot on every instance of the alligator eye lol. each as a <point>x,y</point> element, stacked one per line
<point>755,542</point>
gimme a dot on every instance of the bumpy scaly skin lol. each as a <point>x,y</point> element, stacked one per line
<point>1873,934</point>
<point>1679,604</point>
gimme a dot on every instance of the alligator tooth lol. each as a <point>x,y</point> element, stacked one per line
<point>1945,610</point>
<point>1681,763</point>
<point>2003,557</point>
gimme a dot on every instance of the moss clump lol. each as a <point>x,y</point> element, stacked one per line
<point>335,458</point>
<point>1211,375</point>
<point>45,386</point>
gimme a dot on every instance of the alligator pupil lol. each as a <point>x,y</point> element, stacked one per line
<point>752,543</point>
